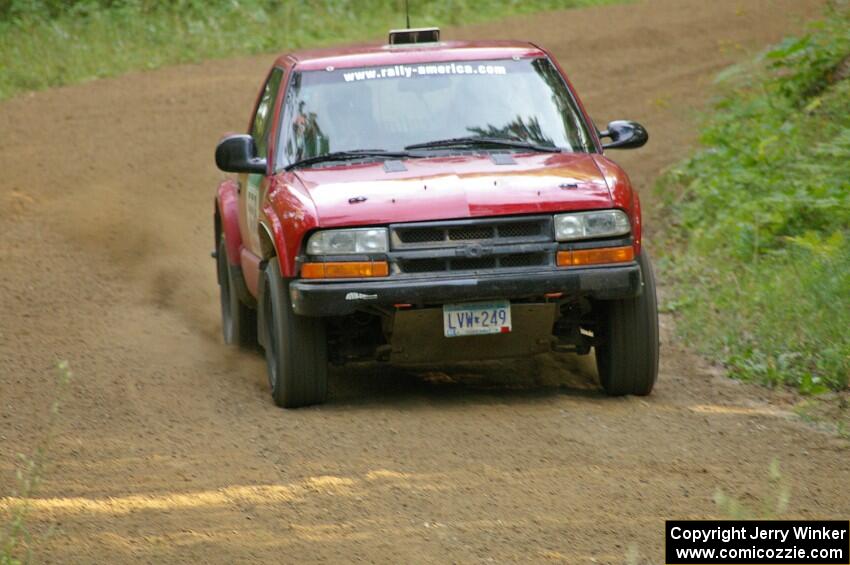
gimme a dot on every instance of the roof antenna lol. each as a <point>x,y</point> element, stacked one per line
<point>407,12</point>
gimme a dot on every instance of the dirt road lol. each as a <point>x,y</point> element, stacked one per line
<point>169,447</point>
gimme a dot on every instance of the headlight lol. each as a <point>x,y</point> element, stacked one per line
<point>347,242</point>
<point>589,225</point>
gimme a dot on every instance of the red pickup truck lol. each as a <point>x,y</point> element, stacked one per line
<point>430,201</point>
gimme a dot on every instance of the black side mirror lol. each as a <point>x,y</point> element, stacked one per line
<point>625,135</point>
<point>238,154</point>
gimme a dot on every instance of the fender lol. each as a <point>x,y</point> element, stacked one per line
<point>288,213</point>
<point>623,194</point>
<point>637,229</point>
<point>271,224</point>
<point>227,201</point>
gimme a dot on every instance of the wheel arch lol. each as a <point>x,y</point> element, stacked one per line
<point>268,249</point>
<point>273,242</point>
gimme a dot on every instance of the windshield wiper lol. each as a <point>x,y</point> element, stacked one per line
<point>348,156</point>
<point>485,141</point>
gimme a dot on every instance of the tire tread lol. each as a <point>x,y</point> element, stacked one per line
<point>302,367</point>
<point>627,358</point>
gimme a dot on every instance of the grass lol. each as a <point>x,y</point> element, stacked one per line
<point>772,505</point>
<point>759,219</point>
<point>48,43</point>
<point>16,541</point>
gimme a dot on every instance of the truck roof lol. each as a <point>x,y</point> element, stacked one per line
<point>373,55</point>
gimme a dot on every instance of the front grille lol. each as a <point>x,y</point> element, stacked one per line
<point>424,235</point>
<point>484,231</point>
<point>458,264</point>
<point>471,233</point>
<point>486,244</point>
<point>521,229</point>
<point>522,260</point>
<point>473,264</point>
<point>424,266</point>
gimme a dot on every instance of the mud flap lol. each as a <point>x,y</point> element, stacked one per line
<point>261,311</point>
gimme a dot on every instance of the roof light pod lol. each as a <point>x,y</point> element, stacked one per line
<point>415,35</point>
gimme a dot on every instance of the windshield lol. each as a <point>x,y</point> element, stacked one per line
<point>391,107</point>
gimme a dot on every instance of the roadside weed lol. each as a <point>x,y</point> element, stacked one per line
<point>773,504</point>
<point>15,538</point>
<point>758,231</point>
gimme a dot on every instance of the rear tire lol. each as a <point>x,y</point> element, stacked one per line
<point>627,352</point>
<point>238,320</point>
<point>296,346</point>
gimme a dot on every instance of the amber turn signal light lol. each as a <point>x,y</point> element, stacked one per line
<point>599,256</point>
<point>345,269</point>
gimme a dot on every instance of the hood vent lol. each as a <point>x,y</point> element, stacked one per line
<point>394,166</point>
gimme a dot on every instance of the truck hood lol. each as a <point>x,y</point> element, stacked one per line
<point>454,187</point>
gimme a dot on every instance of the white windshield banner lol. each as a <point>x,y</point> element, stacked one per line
<point>410,71</point>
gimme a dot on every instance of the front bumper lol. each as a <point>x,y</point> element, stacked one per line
<point>338,298</point>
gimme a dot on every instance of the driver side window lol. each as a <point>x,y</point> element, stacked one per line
<point>262,118</point>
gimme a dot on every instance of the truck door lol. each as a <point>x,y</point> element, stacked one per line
<point>252,186</point>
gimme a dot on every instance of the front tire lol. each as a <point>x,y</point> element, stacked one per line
<point>627,351</point>
<point>296,346</point>
<point>238,320</point>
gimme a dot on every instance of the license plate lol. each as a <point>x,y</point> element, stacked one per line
<point>477,318</point>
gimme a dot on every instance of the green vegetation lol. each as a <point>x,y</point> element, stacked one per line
<point>15,540</point>
<point>759,236</point>
<point>46,43</point>
<point>770,506</point>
